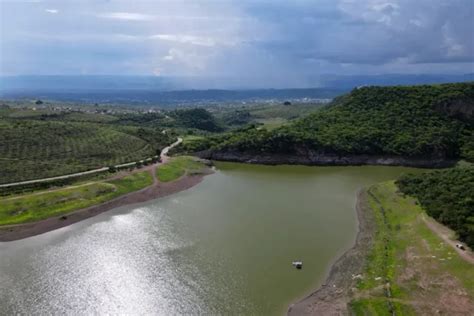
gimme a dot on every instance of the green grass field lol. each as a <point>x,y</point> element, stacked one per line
<point>410,269</point>
<point>188,139</point>
<point>177,167</point>
<point>271,115</point>
<point>285,112</point>
<point>44,204</point>
<point>272,123</point>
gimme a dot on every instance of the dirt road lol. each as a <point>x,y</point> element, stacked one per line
<point>447,235</point>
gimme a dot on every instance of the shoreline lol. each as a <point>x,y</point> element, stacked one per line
<point>311,158</point>
<point>154,191</point>
<point>332,297</point>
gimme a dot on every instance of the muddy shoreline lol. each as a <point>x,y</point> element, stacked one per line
<point>157,190</point>
<point>333,296</point>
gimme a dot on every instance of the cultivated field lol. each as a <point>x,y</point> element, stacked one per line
<point>36,149</point>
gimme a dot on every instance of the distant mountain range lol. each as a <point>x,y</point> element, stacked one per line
<point>350,82</point>
<point>154,90</point>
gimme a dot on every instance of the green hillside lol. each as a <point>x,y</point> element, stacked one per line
<point>47,141</point>
<point>31,149</point>
<point>410,121</point>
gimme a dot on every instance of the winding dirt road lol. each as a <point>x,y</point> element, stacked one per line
<point>164,153</point>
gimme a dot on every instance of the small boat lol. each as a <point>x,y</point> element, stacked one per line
<point>297,264</point>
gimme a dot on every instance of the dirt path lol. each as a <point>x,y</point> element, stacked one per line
<point>48,191</point>
<point>66,176</point>
<point>447,235</point>
<point>164,153</point>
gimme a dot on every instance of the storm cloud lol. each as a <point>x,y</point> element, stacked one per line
<point>282,42</point>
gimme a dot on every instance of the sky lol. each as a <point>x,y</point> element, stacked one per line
<point>286,42</point>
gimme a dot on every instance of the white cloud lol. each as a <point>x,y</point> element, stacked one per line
<point>190,59</point>
<point>416,22</point>
<point>52,11</point>
<point>452,46</point>
<point>185,39</point>
<point>196,40</point>
<point>128,16</point>
<point>385,7</point>
<point>378,11</point>
<point>169,57</point>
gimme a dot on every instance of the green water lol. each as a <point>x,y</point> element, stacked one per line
<point>222,247</point>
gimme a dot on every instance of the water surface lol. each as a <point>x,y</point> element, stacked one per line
<point>222,247</point>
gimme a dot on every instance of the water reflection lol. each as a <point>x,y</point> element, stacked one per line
<point>223,247</point>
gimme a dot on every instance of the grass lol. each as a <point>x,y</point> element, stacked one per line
<point>464,164</point>
<point>285,112</point>
<point>378,306</point>
<point>407,260</point>
<point>88,117</point>
<point>177,167</point>
<point>188,139</point>
<point>45,204</point>
<point>272,123</point>
<point>271,115</point>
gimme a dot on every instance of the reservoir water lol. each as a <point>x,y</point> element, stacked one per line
<point>223,247</point>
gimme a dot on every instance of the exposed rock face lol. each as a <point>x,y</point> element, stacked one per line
<point>324,159</point>
<point>460,109</point>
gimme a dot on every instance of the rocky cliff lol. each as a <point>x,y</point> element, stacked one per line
<point>324,159</point>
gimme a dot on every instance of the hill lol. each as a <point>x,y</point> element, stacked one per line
<point>418,125</point>
<point>36,149</point>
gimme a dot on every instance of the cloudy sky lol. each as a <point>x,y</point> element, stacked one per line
<point>290,40</point>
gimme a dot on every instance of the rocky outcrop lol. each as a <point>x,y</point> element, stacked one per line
<point>324,159</point>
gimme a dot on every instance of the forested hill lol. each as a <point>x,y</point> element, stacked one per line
<point>429,122</point>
